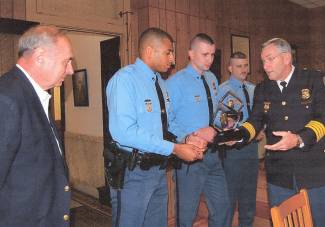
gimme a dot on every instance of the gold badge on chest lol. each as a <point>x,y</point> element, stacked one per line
<point>305,94</point>
<point>267,106</point>
<point>148,105</point>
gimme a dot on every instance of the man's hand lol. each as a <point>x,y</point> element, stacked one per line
<point>207,133</point>
<point>260,136</point>
<point>289,140</point>
<point>196,141</point>
<point>188,152</point>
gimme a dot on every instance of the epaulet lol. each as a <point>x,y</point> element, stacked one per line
<point>249,83</point>
<point>224,84</point>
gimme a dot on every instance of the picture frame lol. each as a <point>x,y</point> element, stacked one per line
<point>294,54</point>
<point>80,88</point>
<point>241,43</point>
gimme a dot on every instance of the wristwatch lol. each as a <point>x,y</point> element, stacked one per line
<point>300,142</point>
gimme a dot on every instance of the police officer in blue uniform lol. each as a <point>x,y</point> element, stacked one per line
<point>292,105</point>
<point>193,91</point>
<point>241,163</point>
<point>135,122</point>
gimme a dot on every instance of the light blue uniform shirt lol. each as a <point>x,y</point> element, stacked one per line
<point>189,100</point>
<point>134,109</point>
<point>236,87</point>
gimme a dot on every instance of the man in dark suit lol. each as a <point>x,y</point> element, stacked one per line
<point>291,103</point>
<point>34,189</point>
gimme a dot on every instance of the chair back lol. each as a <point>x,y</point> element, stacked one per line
<point>293,212</point>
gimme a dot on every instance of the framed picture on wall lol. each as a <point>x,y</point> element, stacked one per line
<point>80,88</point>
<point>294,54</point>
<point>241,43</point>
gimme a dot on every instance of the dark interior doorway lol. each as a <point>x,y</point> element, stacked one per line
<point>110,63</point>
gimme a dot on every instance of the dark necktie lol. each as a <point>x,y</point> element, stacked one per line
<point>210,105</point>
<point>284,85</point>
<point>247,100</point>
<point>163,113</point>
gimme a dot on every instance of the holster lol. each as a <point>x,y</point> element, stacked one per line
<point>118,159</point>
<point>115,166</point>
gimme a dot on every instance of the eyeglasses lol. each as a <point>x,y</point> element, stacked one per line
<point>270,59</point>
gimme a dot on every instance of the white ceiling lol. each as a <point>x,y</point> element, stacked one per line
<point>309,3</point>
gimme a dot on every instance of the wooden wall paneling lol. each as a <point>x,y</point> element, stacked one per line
<point>171,5</point>
<point>208,9</point>
<point>182,40</point>
<point>211,28</point>
<point>194,7</point>
<point>6,8</point>
<point>19,9</point>
<point>143,19</point>
<point>219,8</point>
<point>218,38</point>
<point>134,36</point>
<point>183,6</point>
<point>171,23</point>
<point>202,25</point>
<point>257,66</point>
<point>317,25</point>
<point>162,19</point>
<point>153,17</point>
<point>194,27</point>
<point>139,4</point>
<point>134,4</point>
<point>234,13</point>
<point>7,54</point>
<point>153,3</point>
<point>225,13</point>
<point>225,52</point>
<point>243,16</point>
<point>15,39</point>
<point>162,4</point>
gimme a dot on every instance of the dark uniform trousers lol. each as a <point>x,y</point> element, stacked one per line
<point>299,109</point>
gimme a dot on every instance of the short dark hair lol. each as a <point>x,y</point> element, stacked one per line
<point>203,37</point>
<point>155,33</point>
<point>238,55</point>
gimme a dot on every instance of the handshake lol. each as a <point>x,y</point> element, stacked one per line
<point>195,144</point>
<point>209,137</point>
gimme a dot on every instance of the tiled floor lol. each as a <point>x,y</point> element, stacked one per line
<point>88,212</point>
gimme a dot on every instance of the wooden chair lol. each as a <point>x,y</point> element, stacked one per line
<point>293,212</point>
